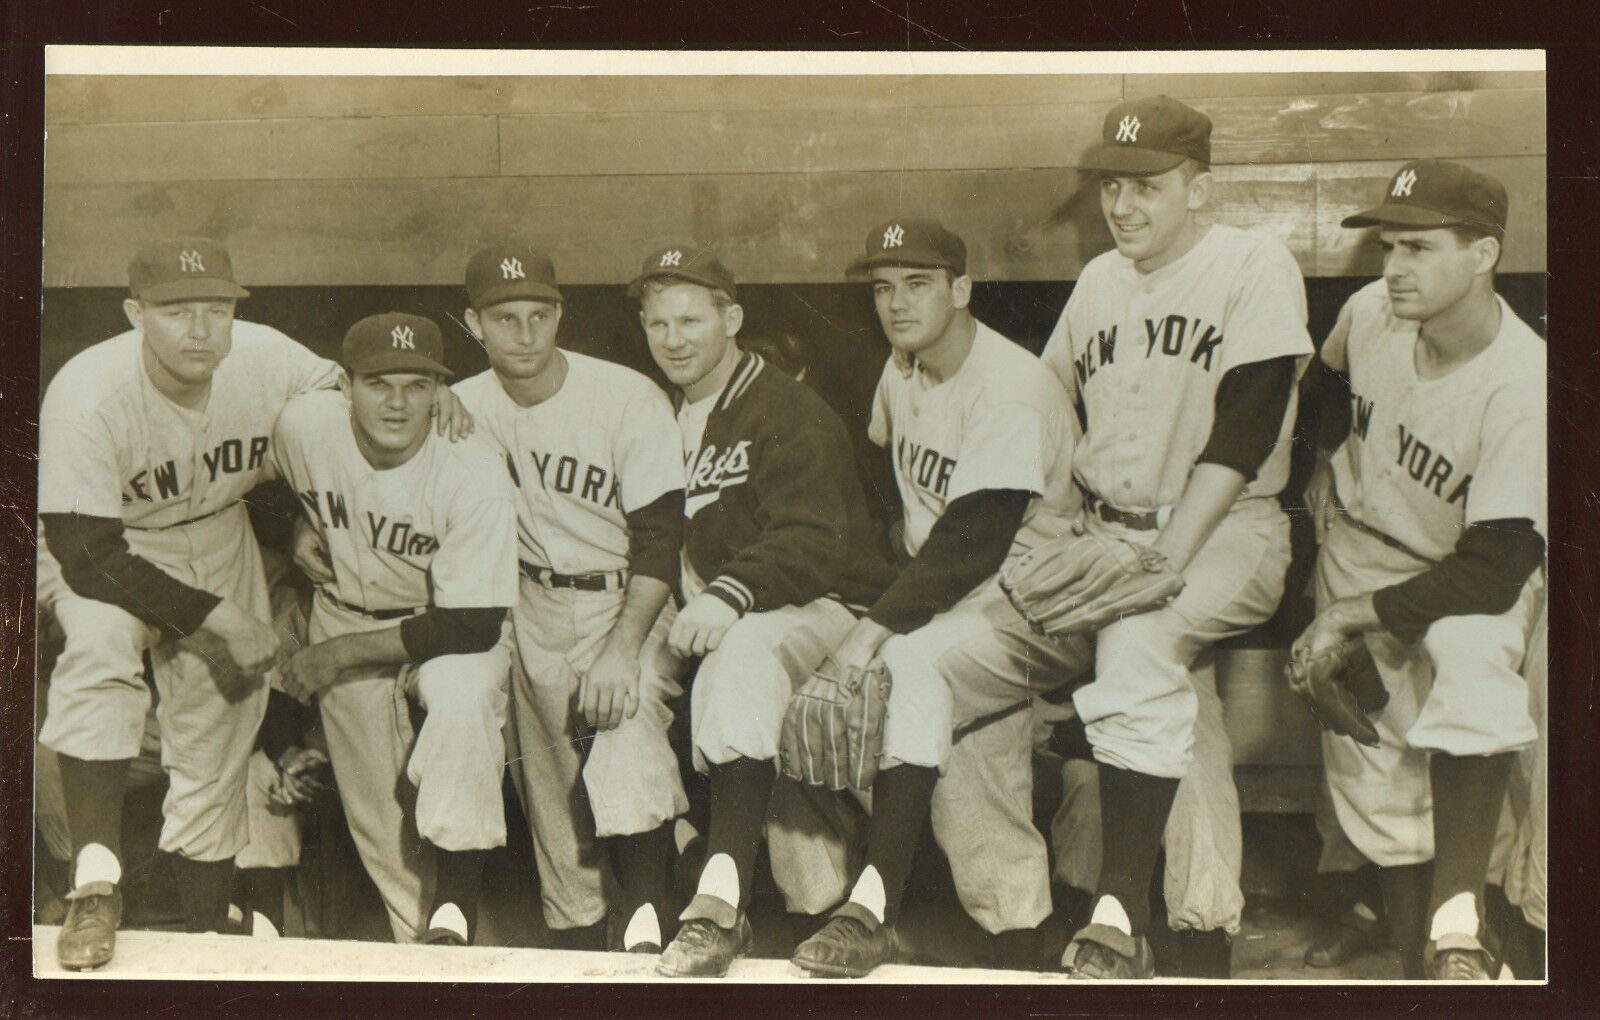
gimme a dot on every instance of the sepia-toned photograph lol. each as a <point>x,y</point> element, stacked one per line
<point>537,516</point>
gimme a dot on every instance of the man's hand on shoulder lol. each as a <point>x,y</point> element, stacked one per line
<point>701,624</point>
<point>451,416</point>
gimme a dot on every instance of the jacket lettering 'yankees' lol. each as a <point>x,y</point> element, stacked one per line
<point>775,511</point>
<point>1426,457</point>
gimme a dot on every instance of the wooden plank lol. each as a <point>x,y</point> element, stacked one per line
<point>273,150</point>
<point>802,140</point>
<point>1323,129</point>
<point>1343,189</point>
<point>89,99</point>
<point>1194,87</point>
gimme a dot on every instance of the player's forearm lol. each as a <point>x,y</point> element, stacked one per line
<point>97,564</point>
<point>1206,500</point>
<point>641,604</point>
<point>383,647</point>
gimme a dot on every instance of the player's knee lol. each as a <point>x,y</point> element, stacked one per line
<point>465,685</point>
<point>1458,644</point>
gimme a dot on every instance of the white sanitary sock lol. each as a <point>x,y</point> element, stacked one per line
<point>261,927</point>
<point>720,878</point>
<point>868,892</point>
<point>643,927</point>
<point>1109,912</point>
<point>683,833</point>
<point>450,916</point>
<point>96,863</point>
<point>1457,914</point>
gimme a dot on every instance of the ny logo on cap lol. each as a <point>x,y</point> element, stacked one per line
<point>189,261</point>
<point>511,269</point>
<point>671,258</point>
<point>1403,184</point>
<point>402,337</point>
<point>894,237</point>
<point>1128,130</point>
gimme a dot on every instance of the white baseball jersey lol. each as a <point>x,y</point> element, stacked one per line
<point>1000,422</point>
<point>1147,351</point>
<point>110,445</point>
<point>1427,457</point>
<point>603,446</point>
<point>439,529</point>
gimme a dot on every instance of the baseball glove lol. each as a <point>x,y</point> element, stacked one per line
<point>833,728</point>
<point>1079,583</point>
<point>1342,686</point>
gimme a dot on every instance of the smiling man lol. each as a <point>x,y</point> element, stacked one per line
<point>595,464</point>
<point>1181,349</point>
<point>1430,502</point>
<point>148,443</point>
<point>420,537</point>
<point>779,554</point>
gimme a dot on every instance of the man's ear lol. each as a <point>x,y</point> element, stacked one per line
<point>1487,250</point>
<point>961,291</point>
<point>734,318</point>
<point>134,311</point>
<point>473,324</point>
<point>1200,190</point>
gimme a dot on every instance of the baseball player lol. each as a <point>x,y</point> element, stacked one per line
<point>421,539</point>
<point>1181,349</point>
<point>778,548</point>
<point>981,438</point>
<point>147,444</point>
<point>596,464</point>
<point>1433,519</point>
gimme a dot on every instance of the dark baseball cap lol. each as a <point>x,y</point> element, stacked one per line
<point>394,342</point>
<point>911,242</point>
<point>183,269</point>
<point>686,263</point>
<point>510,272</point>
<point>1427,193</point>
<point>1142,137</point>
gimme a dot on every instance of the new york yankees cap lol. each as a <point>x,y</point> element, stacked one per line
<point>1427,193</point>
<point>910,242</point>
<point>510,272</point>
<point>1147,136</point>
<point>394,342</point>
<point>182,269</point>
<point>687,263</point>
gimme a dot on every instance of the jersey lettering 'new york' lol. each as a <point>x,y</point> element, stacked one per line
<point>110,445</point>
<point>1000,422</point>
<point>602,447</point>
<point>1427,457</point>
<point>439,529</point>
<point>1146,351</point>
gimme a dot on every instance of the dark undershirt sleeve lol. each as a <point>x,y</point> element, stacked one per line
<point>97,564</point>
<point>1250,404</point>
<point>965,546</point>
<point>1327,399</point>
<point>655,536</point>
<point>283,726</point>
<point>441,631</point>
<point>1484,576</point>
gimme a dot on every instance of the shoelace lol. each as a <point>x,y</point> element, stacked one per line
<point>837,932</point>
<point>93,908</point>
<point>1463,965</point>
<point>1094,959</point>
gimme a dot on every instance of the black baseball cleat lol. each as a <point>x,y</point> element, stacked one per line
<point>1344,940</point>
<point>704,948</point>
<point>89,934</point>
<point>846,947</point>
<point>1103,953</point>
<point>1455,957</point>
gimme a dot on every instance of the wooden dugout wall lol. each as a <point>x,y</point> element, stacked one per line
<point>317,181</point>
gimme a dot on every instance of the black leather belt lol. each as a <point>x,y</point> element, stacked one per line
<point>603,580</point>
<point>1145,520</point>
<point>375,614</point>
